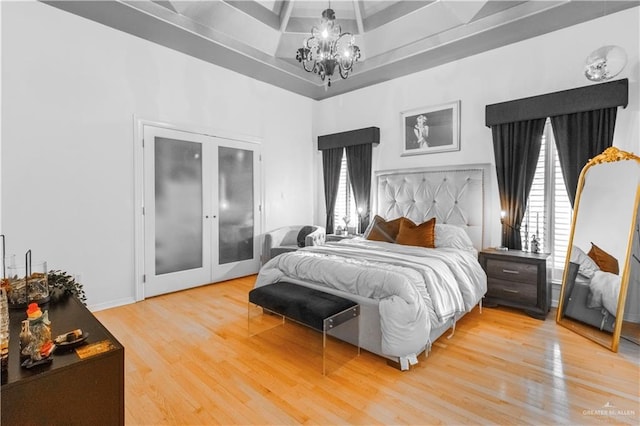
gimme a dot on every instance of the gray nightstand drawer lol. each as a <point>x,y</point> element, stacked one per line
<point>518,279</point>
<point>512,271</point>
<point>525,293</point>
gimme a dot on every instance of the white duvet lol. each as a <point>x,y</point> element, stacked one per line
<point>418,288</point>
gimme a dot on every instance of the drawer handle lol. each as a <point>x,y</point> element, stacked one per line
<point>510,271</point>
<point>508,290</point>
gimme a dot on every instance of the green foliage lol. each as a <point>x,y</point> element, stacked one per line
<point>62,284</point>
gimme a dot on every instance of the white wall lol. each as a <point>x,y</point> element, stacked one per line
<point>70,90</point>
<point>537,66</point>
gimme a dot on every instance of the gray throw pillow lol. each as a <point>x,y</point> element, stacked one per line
<point>302,235</point>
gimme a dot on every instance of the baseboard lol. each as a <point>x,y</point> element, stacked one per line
<point>112,304</point>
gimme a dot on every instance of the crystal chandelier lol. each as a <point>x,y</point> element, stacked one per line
<point>328,48</point>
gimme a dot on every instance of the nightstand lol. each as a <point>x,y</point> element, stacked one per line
<point>518,279</point>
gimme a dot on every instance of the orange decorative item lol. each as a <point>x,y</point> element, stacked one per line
<point>33,311</point>
<point>39,346</point>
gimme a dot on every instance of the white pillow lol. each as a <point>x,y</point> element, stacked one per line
<point>452,236</point>
<point>587,266</point>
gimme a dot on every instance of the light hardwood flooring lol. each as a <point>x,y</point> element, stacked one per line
<point>189,360</point>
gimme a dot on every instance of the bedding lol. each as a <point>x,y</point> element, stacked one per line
<point>418,289</point>
<point>602,279</point>
<point>604,290</point>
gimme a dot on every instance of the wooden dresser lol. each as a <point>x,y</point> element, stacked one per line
<point>70,390</point>
<point>517,279</point>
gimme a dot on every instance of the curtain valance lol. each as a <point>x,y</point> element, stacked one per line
<point>370,135</point>
<point>581,99</point>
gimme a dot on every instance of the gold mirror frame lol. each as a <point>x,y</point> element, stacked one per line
<point>606,339</point>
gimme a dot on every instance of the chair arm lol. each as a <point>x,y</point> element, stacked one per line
<point>272,239</point>
<point>316,238</point>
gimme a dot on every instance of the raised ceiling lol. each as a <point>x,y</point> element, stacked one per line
<point>260,38</point>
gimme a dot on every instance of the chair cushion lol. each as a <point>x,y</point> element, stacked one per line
<point>281,249</point>
<point>302,234</point>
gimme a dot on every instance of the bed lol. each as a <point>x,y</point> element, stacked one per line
<point>409,296</point>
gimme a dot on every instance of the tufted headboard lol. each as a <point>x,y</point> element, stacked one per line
<point>453,194</point>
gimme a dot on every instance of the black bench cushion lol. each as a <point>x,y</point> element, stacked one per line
<point>299,303</point>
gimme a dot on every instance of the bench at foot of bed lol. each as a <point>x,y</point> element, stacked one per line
<point>316,309</point>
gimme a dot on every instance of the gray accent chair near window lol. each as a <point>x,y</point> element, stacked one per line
<point>290,238</point>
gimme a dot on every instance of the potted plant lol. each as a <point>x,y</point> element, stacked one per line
<point>62,285</point>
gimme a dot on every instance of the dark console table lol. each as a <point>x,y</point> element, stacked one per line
<point>69,390</point>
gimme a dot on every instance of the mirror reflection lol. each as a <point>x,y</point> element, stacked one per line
<point>631,323</point>
<point>597,270</point>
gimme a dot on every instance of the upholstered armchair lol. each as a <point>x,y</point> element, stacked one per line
<point>290,238</point>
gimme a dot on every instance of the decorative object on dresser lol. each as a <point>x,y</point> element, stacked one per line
<point>431,129</point>
<point>517,279</point>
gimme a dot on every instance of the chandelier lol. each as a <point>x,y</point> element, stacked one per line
<point>328,48</point>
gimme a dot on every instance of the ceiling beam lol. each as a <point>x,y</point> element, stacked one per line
<point>358,8</point>
<point>285,15</point>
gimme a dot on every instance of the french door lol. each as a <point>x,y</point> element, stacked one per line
<point>201,209</point>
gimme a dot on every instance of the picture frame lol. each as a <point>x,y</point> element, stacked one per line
<point>432,129</point>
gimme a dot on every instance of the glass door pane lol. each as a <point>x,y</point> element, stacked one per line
<point>178,205</point>
<point>177,199</point>
<point>236,204</point>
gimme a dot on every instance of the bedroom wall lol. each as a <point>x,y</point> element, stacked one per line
<point>71,88</point>
<point>537,66</point>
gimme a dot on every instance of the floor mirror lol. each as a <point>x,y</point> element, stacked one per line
<point>598,269</point>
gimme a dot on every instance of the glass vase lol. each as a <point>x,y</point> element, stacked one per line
<point>27,283</point>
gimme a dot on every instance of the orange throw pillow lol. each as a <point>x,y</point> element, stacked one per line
<point>422,235</point>
<point>383,230</point>
<point>604,260</point>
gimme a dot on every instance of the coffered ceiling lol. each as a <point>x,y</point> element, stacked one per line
<point>260,38</point>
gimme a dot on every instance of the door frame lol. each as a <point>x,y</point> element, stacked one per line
<point>138,185</point>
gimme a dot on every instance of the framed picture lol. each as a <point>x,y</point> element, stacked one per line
<point>431,129</point>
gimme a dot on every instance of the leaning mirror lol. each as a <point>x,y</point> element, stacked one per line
<point>597,268</point>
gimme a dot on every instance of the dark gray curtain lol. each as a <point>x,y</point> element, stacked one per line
<point>359,166</point>
<point>331,162</point>
<point>580,137</point>
<point>516,147</point>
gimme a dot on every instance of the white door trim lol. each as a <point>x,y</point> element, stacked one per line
<point>138,182</point>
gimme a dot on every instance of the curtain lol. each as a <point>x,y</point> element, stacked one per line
<point>331,162</point>
<point>359,167</point>
<point>516,147</point>
<point>580,137</point>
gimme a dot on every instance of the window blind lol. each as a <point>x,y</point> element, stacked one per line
<point>345,201</point>
<point>548,208</point>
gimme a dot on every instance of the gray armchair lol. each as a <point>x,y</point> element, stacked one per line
<point>285,239</point>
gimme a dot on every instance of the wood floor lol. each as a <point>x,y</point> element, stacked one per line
<point>189,360</point>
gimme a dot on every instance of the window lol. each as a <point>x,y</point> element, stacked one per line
<point>549,210</point>
<point>345,201</point>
